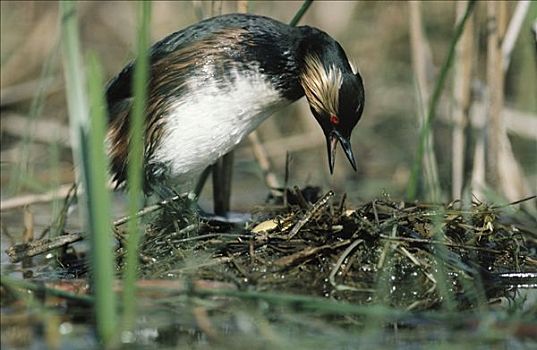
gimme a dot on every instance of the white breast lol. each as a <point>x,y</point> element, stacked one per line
<point>206,124</point>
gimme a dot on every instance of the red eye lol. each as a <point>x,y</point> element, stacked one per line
<point>334,119</point>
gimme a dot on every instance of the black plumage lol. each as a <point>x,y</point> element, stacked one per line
<point>212,52</point>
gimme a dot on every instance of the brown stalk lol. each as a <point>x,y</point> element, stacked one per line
<point>263,159</point>
<point>478,166</point>
<point>28,234</point>
<point>322,202</point>
<point>20,201</point>
<point>504,172</point>
<point>308,253</point>
<point>513,31</point>
<point>44,129</point>
<point>421,61</point>
<point>520,123</point>
<point>26,91</point>
<point>26,250</point>
<point>461,93</point>
<point>495,80</point>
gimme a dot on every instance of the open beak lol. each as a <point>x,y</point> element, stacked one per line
<point>331,140</point>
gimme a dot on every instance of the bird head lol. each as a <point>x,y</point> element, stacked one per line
<point>335,93</point>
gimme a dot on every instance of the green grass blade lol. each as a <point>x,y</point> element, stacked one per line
<point>90,162</point>
<point>300,13</point>
<point>135,162</point>
<point>75,87</point>
<point>102,258</point>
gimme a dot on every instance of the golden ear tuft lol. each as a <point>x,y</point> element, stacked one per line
<point>321,86</point>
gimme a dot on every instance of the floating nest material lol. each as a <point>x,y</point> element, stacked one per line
<point>414,256</point>
<point>303,252</point>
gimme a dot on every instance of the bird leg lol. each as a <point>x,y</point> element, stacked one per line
<point>222,175</point>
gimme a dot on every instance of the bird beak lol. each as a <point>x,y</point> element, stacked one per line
<point>333,137</point>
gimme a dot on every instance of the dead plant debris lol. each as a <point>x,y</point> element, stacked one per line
<point>407,255</point>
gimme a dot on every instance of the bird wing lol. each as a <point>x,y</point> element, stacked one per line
<point>120,87</point>
<point>172,59</point>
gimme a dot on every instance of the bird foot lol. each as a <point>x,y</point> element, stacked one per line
<point>228,218</point>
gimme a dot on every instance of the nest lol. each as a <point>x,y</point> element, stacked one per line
<point>408,255</point>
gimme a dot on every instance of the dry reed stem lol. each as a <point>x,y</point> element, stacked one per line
<point>495,80</point>
<point>339,262</point>
<point>26,91</point>
<point>421,53</point>
<point>513,31</point>
<point>28,234</point>
<point>263,159</point>
<point>322,202</point>
<point>19,252</point>
<point>513,182</point>
<point>308,253</point>
<point>520,123</point>
<point>21,201</point>
<point>478,166</point>
<point>421,60</point>
<point>44,129</point>
<point>461,92</point>
<point>503,170</point>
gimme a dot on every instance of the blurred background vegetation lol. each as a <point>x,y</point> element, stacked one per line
<point>482,143</point>
<point>35,155</point>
